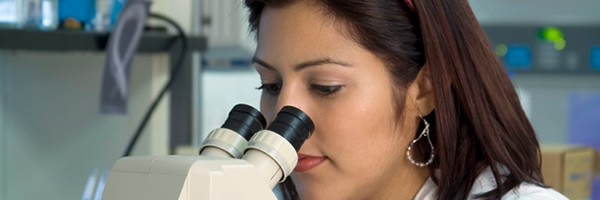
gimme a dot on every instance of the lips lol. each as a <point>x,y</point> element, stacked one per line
<point>306,162</point>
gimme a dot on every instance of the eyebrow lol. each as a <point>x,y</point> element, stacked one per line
<point>303,65</point>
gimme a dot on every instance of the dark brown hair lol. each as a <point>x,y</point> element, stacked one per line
<point>478,120</point>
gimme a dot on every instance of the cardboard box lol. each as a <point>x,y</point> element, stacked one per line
<point>597,168</point>
<point>569,169</point>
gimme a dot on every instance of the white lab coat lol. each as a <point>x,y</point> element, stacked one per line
<point>486,182</point>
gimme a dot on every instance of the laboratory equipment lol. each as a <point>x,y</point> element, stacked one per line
<point>40,14</point>
<point>102,20</point>
<point>10,13</point>
<point>269,157</point>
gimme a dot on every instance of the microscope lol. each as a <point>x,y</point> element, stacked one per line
<point>240,160</point>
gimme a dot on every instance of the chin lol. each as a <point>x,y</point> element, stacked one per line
<point>316,195</point>
<point>321,191</point>
<point>323,194</point>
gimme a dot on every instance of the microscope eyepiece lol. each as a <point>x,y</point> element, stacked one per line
<point>293,125</point>
<point>275,150</point>
<point>245,120</point>
<point>232,138</point>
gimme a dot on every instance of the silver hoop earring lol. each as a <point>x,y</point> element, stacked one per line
<point>424,133</point>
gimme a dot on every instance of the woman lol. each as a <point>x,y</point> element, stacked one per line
<point>408,101</point>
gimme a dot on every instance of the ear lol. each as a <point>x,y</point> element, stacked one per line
<point>421,92</point>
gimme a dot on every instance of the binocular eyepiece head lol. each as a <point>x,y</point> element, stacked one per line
<point>243,122</point>
<point>273,151</point>
<point>291,123</point>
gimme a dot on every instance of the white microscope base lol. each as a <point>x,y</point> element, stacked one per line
<point>185,178</point>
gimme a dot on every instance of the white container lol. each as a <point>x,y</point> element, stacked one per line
<point>40,14</point>
<point>10,13</point>
<point>102,22</point>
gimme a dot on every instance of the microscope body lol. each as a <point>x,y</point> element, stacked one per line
<point>185,178</point>
<point>240,160</point>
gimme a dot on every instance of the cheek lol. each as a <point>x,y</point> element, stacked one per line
<point>364,135</point>
<point>363,127</point>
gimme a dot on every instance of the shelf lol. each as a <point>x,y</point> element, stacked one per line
<point>65,40</point>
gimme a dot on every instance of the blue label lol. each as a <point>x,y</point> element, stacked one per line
<point>595,57</point>
<point>578,176</point>
<point>85,10</point>
<point>518,57</point>
<point>81,10</point>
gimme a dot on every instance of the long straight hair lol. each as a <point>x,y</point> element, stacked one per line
<point>478,120</point>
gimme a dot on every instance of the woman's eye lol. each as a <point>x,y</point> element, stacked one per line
<point>272,89</point>
<point>326,89</point>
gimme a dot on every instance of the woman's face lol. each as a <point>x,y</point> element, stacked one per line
<point>359,144</point>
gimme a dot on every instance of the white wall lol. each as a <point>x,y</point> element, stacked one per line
<point>224,89</point>
<point>549,105</point>
<point>545,12</point>
<point>53,134</point>
<point>3,89</point>
<point>179,10</point>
